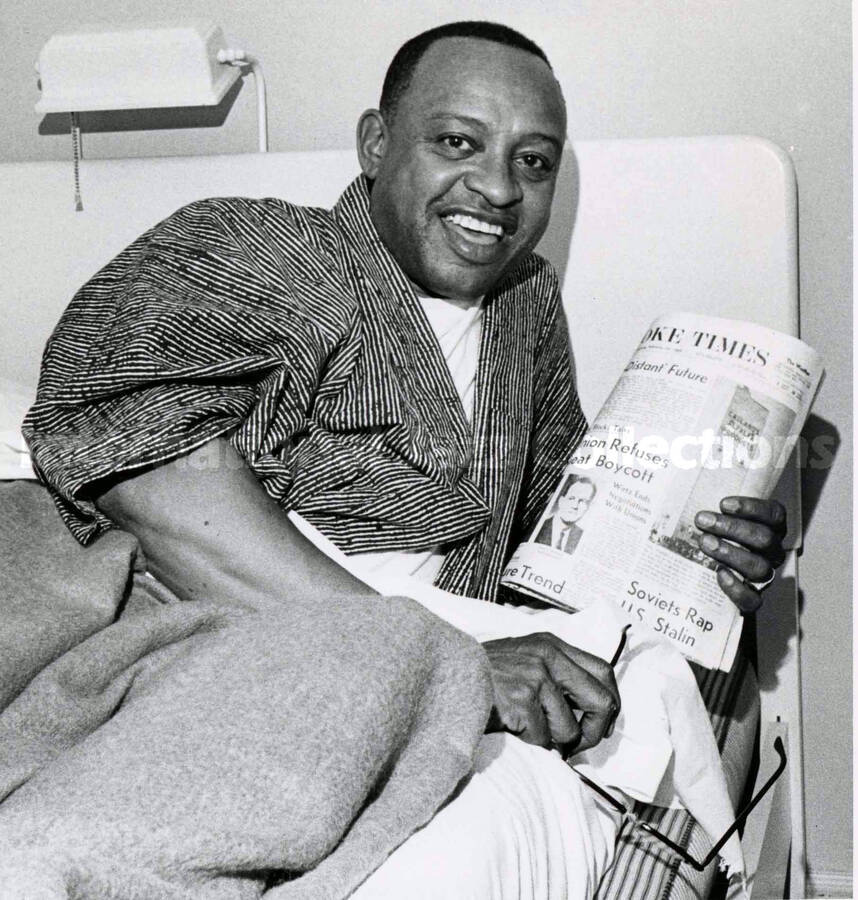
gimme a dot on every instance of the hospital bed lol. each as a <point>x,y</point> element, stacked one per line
<point>640,227</point>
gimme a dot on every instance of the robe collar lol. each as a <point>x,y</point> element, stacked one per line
<point>484,463</point>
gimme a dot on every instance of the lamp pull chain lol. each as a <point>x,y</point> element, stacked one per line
<point>76,153</point>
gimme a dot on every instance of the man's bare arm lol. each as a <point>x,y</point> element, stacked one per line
<point>210,532</point>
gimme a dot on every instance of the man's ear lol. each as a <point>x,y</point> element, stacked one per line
<point>371,141</point>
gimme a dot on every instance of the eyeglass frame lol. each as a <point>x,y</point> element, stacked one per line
<point>683,854</point>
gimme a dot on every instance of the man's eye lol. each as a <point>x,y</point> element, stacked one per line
<point>535,163</point>
<point>455,142</point>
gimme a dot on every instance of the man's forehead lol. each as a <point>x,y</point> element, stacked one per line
<point>579,489</point>
<point>479,78</point>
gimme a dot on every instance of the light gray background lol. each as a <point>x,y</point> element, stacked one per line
<point>776,68</point>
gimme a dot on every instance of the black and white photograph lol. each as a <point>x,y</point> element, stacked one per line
<point>307,311</point>
<point>564,527</point>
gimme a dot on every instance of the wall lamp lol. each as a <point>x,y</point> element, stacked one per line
<point>97,68</point>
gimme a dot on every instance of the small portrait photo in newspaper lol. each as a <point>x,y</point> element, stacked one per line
<point>563,527</point>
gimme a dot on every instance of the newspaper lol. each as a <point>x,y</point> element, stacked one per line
<point>706,408</point>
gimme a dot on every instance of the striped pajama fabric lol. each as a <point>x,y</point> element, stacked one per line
<point>643,868</point>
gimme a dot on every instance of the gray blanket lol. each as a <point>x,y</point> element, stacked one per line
<point>156,749</point>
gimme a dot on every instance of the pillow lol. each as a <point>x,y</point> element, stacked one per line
<point>15,400</point>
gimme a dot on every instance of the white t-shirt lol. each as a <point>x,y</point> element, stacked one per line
<point>458,327</point>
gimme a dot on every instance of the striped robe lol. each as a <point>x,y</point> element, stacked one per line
<point>293,331</point>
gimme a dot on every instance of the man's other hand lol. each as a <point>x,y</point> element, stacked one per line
<point>747,537</point>
<point>551,694</point>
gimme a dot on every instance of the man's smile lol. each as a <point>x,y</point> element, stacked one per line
<point>480,239</point>
<point>472,224</point>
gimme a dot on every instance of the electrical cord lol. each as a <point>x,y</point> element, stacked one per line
<point>236,57</point>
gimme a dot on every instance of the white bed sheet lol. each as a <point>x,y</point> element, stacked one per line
<point>521,827</point>
<point>14,453</point>
<point>525,815</point>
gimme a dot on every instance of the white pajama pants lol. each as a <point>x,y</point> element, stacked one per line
<point>523,827</point>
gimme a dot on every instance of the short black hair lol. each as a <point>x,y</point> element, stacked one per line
<point>402,66</point>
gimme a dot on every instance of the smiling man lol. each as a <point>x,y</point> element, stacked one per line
<point>394,371</point>
<point>464,159</point>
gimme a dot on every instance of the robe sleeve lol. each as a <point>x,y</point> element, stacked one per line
<point>195,331</point>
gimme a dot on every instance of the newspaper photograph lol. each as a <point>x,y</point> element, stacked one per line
<point>705,408</point>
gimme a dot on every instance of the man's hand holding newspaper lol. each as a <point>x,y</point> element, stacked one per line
<point>746,537</point>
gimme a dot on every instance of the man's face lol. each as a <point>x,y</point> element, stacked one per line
<point>466,170</point>
<point>575,502</point>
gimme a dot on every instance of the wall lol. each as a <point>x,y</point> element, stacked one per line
<point>776,68</point>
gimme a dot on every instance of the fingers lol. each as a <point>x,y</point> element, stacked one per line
<point>563,727</point>
<point>743,595</point>
<point>751,566</point>
<point>752,534</point>
<point>740,515</point>
<point>518,677</point>
<point>600,671</point>
<point>767,512</point>
<point>588,683</point>
<point>590,686</point>
<point>747,538</point>
<point>540,682</point>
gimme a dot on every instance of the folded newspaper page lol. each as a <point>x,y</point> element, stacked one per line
<point>706,408</point>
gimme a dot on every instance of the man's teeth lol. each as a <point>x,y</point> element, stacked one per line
<point>473,224</point>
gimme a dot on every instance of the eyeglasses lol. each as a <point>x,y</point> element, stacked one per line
<point>628,815</point>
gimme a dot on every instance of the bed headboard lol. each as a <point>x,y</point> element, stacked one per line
<point>640,227</point>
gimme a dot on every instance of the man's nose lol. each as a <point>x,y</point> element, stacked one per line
<point>494,178</point>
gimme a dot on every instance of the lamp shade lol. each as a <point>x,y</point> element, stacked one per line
<point>140,67</point>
